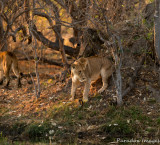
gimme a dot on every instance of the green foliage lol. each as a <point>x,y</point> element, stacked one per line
<point>3,140</point>
<point>149,35</point>
<point>151,1</point>
<point>67,113</point>
<point>149,25</point>
<point>136,37</point>
<point>80,116</point>
<point>94,113</point>
<point>158,121</point>
<point>18,127</point>
<point>124,122</point>
<point>37,132</point>
<point>144,21</point>
<point>121,127</point>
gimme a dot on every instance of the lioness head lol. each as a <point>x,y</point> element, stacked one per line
<point>78,69</point>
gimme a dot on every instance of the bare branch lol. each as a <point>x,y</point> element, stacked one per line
<point>2,7</point>
<point>53,45</point>
<point>21,13</point>
<point>44,60</point>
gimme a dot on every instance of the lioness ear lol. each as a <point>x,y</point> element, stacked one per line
<point>83,61</point>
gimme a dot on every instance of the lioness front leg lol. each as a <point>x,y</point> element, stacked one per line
<point>6,73</point>
<point>86,90</point>
<point>73,90</point>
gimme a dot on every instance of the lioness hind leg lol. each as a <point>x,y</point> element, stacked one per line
<point>1,82</point>
<point>105,74</point>
<point>17,73</point>
<point>6,69</point>
<point>1,77</point>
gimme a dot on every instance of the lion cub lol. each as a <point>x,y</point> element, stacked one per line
<point>8,60</point>
<point>87,70</point>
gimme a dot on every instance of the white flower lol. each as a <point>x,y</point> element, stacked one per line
<point>51,131</point>
<point>53,123</point>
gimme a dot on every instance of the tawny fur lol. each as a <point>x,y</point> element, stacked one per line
<point>9,60</point>
<point>90,69</point>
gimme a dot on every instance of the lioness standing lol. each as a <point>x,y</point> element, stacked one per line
<point>87,70</point>
<point>8,60</point>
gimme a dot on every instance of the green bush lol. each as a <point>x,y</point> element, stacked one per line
<point>37,132</point>
<point>158,121</point>
<point>121,128</point>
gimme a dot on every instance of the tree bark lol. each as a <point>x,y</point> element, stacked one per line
<point>57,29</point>
<point>157,32</point>
<point>57,17</point>
<point>27,16</point>
<point>157,29</point>
<point>3,44</point>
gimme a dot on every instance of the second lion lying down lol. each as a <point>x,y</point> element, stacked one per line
<point>87,70</point>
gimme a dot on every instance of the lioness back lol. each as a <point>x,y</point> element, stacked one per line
<point>89,69</point>
<point>9,60</point>
<point>95,65</point>
<point>6,55</point>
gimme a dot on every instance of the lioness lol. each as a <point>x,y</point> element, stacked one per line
<point>8,60</point>
<point>87,70</point>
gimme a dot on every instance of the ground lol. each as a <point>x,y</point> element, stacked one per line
<point>53,118</point>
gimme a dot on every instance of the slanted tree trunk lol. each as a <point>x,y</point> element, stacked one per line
<point>3,44</point>
<point>57,29</point>
<point>27,16</point>
<point>1,34</point>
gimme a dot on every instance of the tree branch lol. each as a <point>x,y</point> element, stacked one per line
<point>51,62</point>
<point>53,45</point>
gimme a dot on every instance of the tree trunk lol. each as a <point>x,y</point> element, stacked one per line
<point>27,16</point>
<point>57,30</point>
<point>157,32</point>
<point>1,32</point>
<point>3,44</point>
<point>157,29</point>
